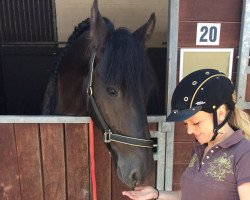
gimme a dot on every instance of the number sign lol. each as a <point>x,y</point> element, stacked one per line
<point>208,34</point>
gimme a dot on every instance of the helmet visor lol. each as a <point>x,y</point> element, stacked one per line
<point>181,115</point>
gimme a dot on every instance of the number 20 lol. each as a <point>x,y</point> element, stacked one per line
<point>208,34</point>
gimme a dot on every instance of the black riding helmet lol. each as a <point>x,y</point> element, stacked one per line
<point>202,90</point>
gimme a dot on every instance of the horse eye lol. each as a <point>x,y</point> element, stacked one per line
<point>112,91</point>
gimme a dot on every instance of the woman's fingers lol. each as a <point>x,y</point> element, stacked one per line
<point>130,194</point>
<point>140,193</point>
<point>139,188</point>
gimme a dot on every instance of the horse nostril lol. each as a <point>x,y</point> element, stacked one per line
<point>135,177</point>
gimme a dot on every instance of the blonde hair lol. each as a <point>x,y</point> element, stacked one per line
<point>240,120</point>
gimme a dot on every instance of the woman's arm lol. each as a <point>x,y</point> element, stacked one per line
<point>148,192</point>
<point>244,191</point>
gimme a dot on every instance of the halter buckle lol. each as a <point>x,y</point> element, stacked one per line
<point>107,136</point>
<point>89,91</point>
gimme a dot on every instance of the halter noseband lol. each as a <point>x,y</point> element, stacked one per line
<point>109,136</point>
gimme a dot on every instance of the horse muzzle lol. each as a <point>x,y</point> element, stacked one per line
<point>135,169</point>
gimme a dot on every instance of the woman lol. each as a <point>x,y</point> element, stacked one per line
<point>220,165</point>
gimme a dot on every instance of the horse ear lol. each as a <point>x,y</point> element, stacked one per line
<point>145,32</point>
<point>98,28</point>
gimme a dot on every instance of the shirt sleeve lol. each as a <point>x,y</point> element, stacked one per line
<point>243,168</point>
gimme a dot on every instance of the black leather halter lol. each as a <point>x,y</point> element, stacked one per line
<point>109,136</point>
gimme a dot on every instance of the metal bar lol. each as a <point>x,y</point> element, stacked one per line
<point>4,18</point>
<point>53,119</point>
<point>1,28</point>
<point>44,19</point>
<point>27,21</point>
<point>248,70</point>
<point>39,20</point>
<point>42,119</point>
<point>20,21</point>
<point>54,21</point>
<point>9,16</point>
<point>25,24</point>
<point>244,49</point>
<point>30,21</point>
<point>157,119</point>
<point>25,43</point>
<point>34,17</point>
<point>159,157</point>
<point>172,49</point>
<point>14,19</point>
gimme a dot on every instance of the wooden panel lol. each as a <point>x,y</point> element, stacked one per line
<point>152,126</point>
<point>182,152</point>
<point>52,144</point>
<point>176,186</point>
<point>9,176</point>
<point>28,151</point>
<point>212,10</point>
<point>229,38</point>
<point>178,170</point>
<point>248,89</point>
<point>235,60</point>
<point>103,167</point>
<point>76,136</point>
<point>180,134</point>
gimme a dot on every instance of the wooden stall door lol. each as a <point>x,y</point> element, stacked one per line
<point>44,162</point>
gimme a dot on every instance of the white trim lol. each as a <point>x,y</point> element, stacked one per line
<point>184,50</point>
<point>244,49</point>
<point>60,119</point>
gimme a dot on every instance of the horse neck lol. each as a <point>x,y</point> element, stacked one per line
<point>77,54</point>
<point>73,72</point>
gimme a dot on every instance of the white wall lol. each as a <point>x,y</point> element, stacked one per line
<point>123,13</point>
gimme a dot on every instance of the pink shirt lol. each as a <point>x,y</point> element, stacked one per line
<point>220,172</point>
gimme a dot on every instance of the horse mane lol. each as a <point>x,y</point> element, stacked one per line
<point>50,97</point>
<point>129,73</point>
<point>78,30</point>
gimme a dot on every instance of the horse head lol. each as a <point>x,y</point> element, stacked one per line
<point>113,66</point>
<point>121,82</point>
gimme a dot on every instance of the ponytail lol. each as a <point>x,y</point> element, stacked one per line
<point>240,120</point>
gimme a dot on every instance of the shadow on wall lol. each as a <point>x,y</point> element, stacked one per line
<point>25,70</point>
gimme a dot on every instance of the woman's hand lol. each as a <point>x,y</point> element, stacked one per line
<point>142,193</point>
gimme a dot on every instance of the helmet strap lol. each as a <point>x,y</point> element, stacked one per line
<point>216,126</point>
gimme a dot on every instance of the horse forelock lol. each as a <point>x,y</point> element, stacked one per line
<point>125,63</point>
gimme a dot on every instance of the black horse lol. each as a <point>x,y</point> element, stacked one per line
<point>106,73</point>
